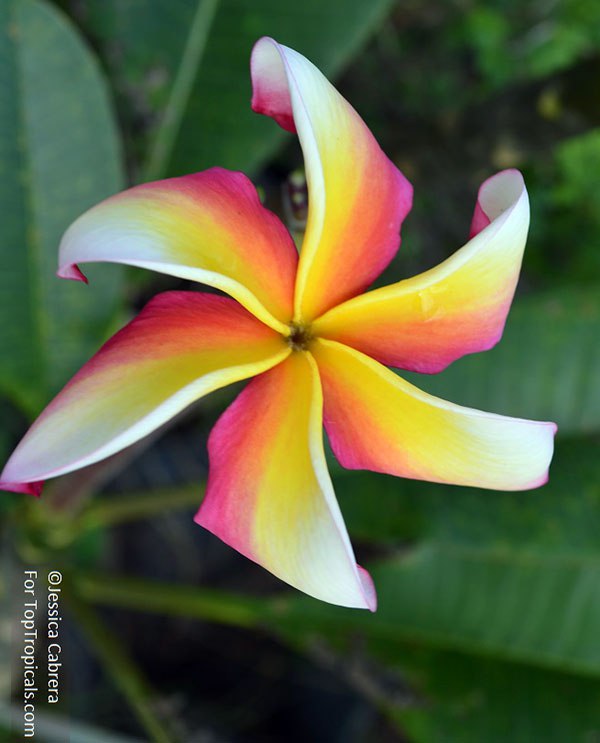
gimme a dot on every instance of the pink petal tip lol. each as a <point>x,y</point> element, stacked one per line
<point>72,272</point>
<point>29,488</point>
<point>368,588</point>
<point>270,94</point>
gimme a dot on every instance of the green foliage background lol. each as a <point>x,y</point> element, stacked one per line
<point>489,619</point>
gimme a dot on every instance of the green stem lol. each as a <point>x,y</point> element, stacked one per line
<point>121,669</point>
<point>134,506</point>
<point>180,92</point>
<point>181,601</point>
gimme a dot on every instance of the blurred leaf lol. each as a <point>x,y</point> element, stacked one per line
<point>515,40</point>
<point>461,697</point>
<point>458,696</point>
<point>560,518</point>
<point>59,154</point>
<point>508,575</point>
<point>578,160</point>
<point>424,609</point>
<point>540,610</point>
<point>144,41</point>
<point>467,587</point>
<point>546,366</point>
<point>567,230</point>
<point>172,116</point>
<point>231,135</point>
<point>475,699</point>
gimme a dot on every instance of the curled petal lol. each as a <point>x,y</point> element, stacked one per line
<point>426,322</point>
<point>208,227</point>
<point>377,421</point>
<point>357,197</point>
<point>181,346</point>
<point>269,494</point>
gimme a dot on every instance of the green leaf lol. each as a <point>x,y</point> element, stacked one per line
<point>495,578</point>
<point>540,610</point>
<point>230,134</point>
<point>454,695</point>
<point>509,575</point>
<point>562,517</point>
<point>475,699</point>
<point>172,116</point>
<point>470,586</point>
<point>59,154</point>
<point>218,127</point>
<point>545,367</point>
<point>567,208</point>
<point>514,40</point>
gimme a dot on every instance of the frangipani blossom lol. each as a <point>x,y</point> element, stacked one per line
<point>301,326</point>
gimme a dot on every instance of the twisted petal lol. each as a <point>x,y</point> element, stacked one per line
<point>208,227</point>
<point>377,421</point>
<point>357,197</point>
<point>269,494</point>
<point>180,347</point>
<point>426,322</point>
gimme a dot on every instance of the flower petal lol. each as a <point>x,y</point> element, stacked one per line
<point>269,495</point>
<point>181,346</point>
<point>377,421</point>
<point>357,197</point>
<point>208,227</point>
<point>426,322</point>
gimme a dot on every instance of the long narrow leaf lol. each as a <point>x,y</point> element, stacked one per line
<point>59,154</point>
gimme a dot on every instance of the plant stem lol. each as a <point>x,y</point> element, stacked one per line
<point>121,669</point>
<point>180,92</point>
<point>182,601</point>
<point>133,506</point>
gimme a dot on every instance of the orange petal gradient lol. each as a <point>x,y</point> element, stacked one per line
<point>377,421</point>
<point>426,322</point>
<point>208,227</point>
<point>181,346</point>
<point>269,494</point>
<point>357,197</point>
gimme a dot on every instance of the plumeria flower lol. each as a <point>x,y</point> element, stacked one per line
<point>302,326</point>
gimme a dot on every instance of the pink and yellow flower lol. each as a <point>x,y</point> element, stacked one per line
<point>303,328</point>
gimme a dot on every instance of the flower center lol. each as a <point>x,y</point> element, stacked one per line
<point>299,337</point>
